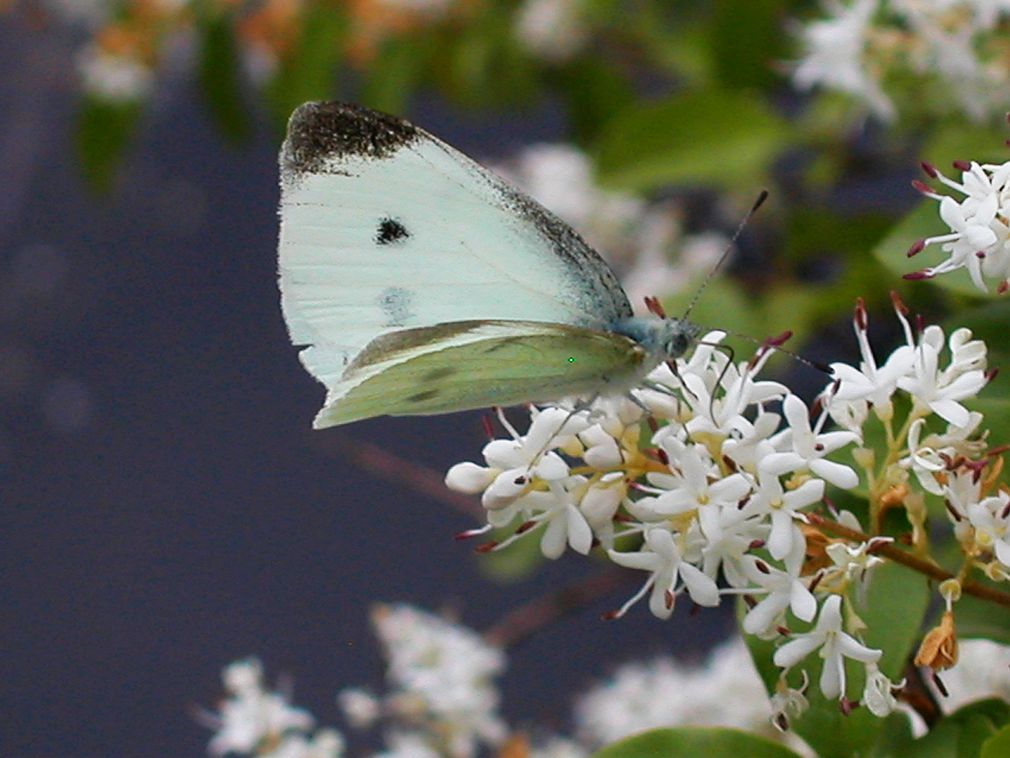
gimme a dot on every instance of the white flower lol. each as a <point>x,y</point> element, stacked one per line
<point>443,674</point>
<point>809,448</point>
<point>878,694</point>
<point>513,463</point>
<point>252,717</point>
<point>789,702</point>
<point>835,645</point>
<point>688,487</point>
<point>942,390</point>
<point>990,519</point>
<point>979,240</point>
<point>642,695</point>
<point>783,507</point>
<point>661,556</point>
<point>869,382</point>
<point>835,51</point>
<point>782,590</point>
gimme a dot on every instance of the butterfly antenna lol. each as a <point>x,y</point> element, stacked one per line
<point>775,343</point>
<point>726,251</point>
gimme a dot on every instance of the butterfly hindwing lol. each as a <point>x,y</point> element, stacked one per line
<point>478,364</point>
<point>386,228</point>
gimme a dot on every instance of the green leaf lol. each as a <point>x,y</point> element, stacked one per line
<point>895,738</point>
<point>218,75</point>
<point>922,222</point>
<point>962,733</point>
<point>960,141</point>
<point>983,618</point>
<point>309,73</point>
<point>694,741</point>
<point>748,59</point>
<point>895,605</point>
<point>724,138</point>
<point>394,74</point>
<point>103,132</point>
<point>997,746</point>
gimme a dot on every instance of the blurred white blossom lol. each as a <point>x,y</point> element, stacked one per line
<point>553,30</point>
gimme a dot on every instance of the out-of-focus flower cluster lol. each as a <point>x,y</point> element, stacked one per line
<point>255,721</point>
<point>129,41</point>
<point>724,690</point>
<point>638,235</point>
<point>889,53</point>
<point>705,478</point>
<point>442,699</point>
<point>979,237</point>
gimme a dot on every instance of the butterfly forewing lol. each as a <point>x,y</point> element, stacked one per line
<point>384,228</point>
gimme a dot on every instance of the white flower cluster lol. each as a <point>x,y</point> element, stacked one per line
<point>863,44</point>
<point>720,488</point>
<point>113,77</point>
<point>979,238</point>
<point>442,700</point>
<point>642,695</point>
<point>639,236</point>
<point>256,722</point>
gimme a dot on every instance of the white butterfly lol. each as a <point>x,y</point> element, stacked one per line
<point>422,283</point>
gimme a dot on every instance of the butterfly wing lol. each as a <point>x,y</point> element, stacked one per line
<point>385,227</point>
<point>477,364</point>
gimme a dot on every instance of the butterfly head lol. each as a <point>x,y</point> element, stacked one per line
<point>662,338</point>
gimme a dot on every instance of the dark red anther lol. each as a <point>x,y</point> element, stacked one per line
<point>961,165</point>
<point>526,526</point>
<point>1003,287</point>
<point>847,706</point>
<point>930,169</point>
<point>898,303</point>
<point>922,187</point>
<point>488,423</point>
<point>487,547</point>
<point>991,374</point>
<point>916,248</point>
<point>954,513</point>
<point>756,545</point>
<point>859,316</point>
<point>762,567</point>
<point>610,615</point>
<point>916,276</point>
<point>654,306</point>
<point>669,599</point>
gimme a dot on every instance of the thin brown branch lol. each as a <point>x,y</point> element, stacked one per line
<point>898,555</point>
<point>387,465</point>
<point>522,622</point>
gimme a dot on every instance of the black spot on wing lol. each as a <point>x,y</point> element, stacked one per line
<point>419,397</point>
<point>396,303</point>
<point>318,131</point>
<point>437,374</point>
<point>390,232</point>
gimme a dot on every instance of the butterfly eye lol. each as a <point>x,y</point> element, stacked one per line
<point>677,345</point>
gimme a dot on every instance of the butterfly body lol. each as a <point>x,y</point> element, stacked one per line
<point>422,283</point>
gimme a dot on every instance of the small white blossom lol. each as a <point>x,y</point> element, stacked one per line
<point>809,448</point>
<point>725,691</point>
<point>782,589</point>
<point>252,717</point>
<point>835,52</point>
<point>878,694</point>
<point>442,673</point>
<point>661,556</point>
<point>990,519</point>
<point>835,646</point>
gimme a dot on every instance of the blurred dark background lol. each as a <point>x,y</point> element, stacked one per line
<point>166,506</point>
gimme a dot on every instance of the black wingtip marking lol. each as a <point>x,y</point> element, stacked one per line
<point>321,130</point>
<point>390,232</point>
